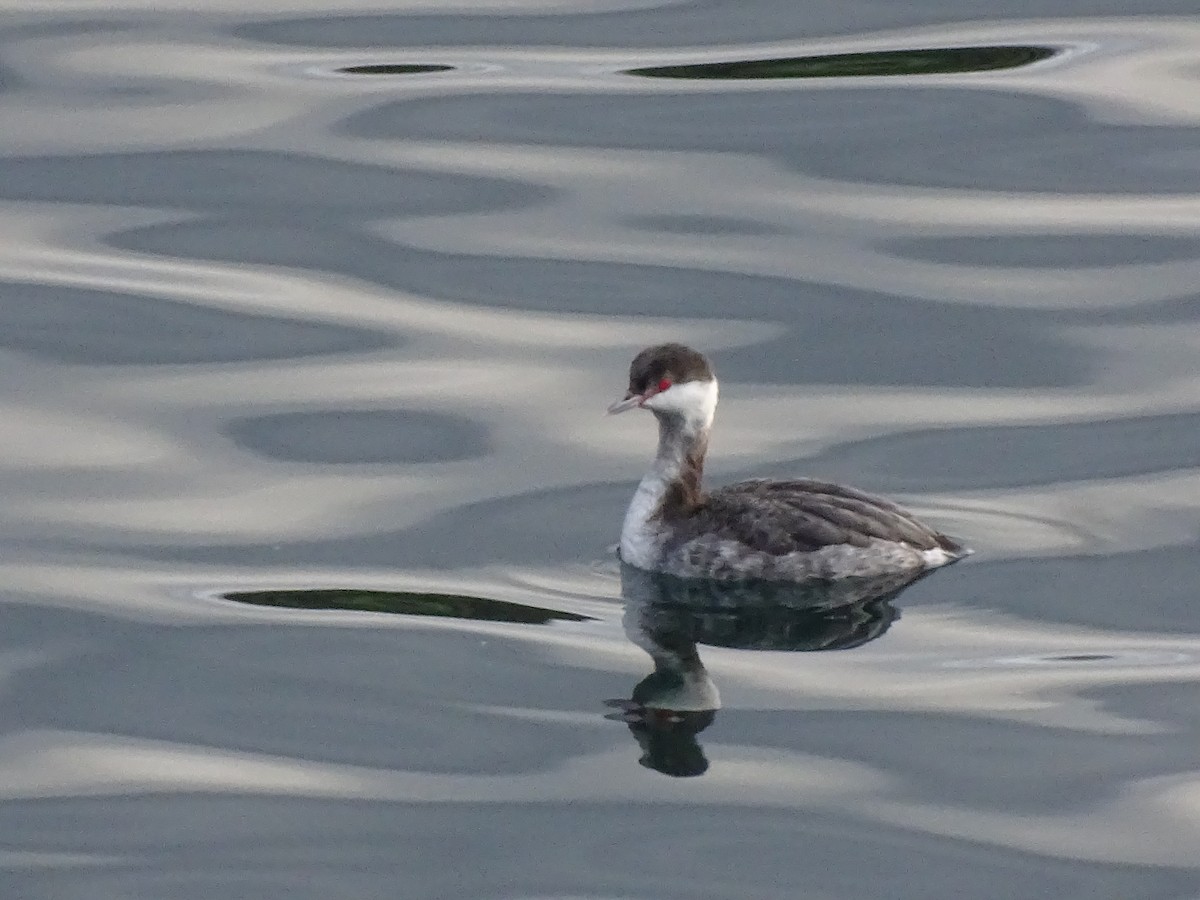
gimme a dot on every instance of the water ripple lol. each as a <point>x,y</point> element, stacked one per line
<point>273,325</point>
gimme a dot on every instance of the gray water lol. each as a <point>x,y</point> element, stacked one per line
<point>269,324</point>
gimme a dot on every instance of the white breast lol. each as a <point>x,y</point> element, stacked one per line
<point>641,542</point>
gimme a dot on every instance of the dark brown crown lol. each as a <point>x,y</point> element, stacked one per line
<point>674,362</point>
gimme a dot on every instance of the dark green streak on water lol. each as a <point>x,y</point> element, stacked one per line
<point>407,603</point>
<point>842,65</point>
<point>393,69</point>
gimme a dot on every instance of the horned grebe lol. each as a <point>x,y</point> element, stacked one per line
<point>790,530</point>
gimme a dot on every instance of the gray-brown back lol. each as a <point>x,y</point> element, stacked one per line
<point>779,517</point>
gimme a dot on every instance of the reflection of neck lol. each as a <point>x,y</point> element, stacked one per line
<point>678,685</point>
<point>679,464</point>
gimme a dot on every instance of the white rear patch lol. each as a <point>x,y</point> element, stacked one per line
<point>937,557</point>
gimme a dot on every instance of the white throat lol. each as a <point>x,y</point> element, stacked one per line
<point>688,409</point>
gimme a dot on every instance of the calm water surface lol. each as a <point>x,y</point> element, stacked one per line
<point>304,298</point>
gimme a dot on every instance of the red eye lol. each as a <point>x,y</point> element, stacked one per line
<point>664,384</point>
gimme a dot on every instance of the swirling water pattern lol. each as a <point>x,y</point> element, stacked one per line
<point>296,296</point>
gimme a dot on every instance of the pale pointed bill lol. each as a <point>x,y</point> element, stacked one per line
<point>629,401</point>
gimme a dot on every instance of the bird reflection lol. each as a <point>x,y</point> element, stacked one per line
<point>668,617</point>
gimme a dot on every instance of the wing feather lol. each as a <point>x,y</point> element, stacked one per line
<point>778,517</point>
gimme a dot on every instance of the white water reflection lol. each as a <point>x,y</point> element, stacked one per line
<point>63,765</point>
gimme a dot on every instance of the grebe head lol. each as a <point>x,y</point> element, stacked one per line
<point>673,382</point>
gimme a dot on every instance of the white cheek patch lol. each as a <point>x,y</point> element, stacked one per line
<point>696,401</point>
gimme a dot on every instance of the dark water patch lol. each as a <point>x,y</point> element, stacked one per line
<point>658,25</point>
<point>454,606</point>
<point>1051,251</point>
<point>1172,309</point>
<point>971,760</point>
<point>874,339</point>
<point>1002,456</point>
<point>10,80</point>
<point>1169,702</point>
<point>703,225</point>
<point>254,185</point>
<point>930,61</point>
<point>1138,590</point>
<point>90,327</point>
<point>64,28</point>
<point>197,845</point>
<point>394,69</point>
<point>414,698</point>
<point>1182,309</point>
<point>346,437</point>
<point>943,137</point>
<point>553,526</point>
<point>836,335</point>
<point>1126,659</point>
